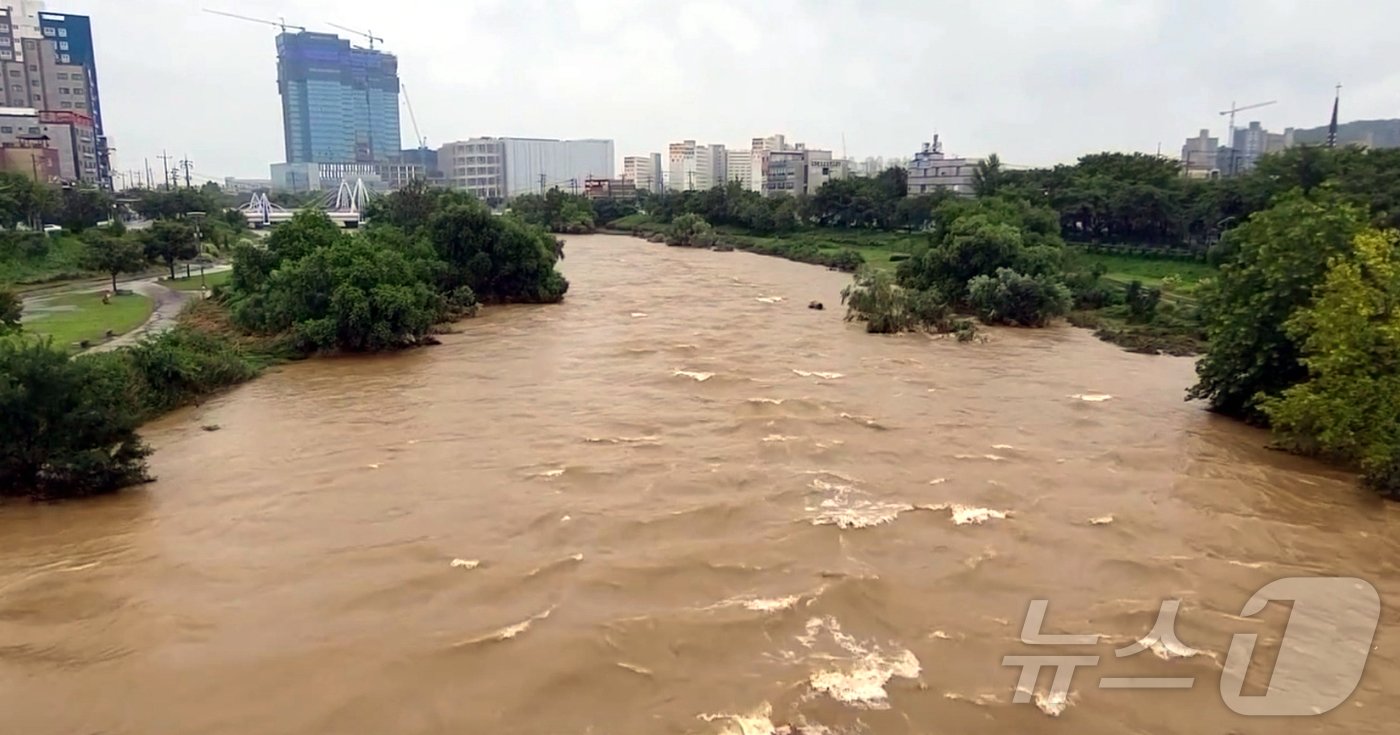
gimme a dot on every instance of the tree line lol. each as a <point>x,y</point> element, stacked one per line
<point>424,257</point>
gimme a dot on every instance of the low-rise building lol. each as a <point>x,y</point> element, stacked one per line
<point>30,155</point>
<point>821,168</point>
<point>932,171</point>
<point>74,137</point>
<point>623,188</point>
<point>784,172</point>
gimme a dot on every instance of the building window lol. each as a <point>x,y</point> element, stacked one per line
<point>5,53</point>
<point>33,82</point>
<point>64,90</point>
<point>81,105</point>
<point>63,33</point>
<point>14,72</point>
<point>34,67</point>
<point>63,75</point>
<point>33,131</point>
<point>65,58</point>
<point>62,45</point>
<point>66,105</point>
<point>77,90</point>
<point>7,129</point>
<point>48,31</point>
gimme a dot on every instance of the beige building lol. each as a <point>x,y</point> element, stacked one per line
<point>637,169</point>
<point>1199,155</point>
<point>739,167</point>
<point>476,165</point>
<point>680,165</point>
<point>821,168</point>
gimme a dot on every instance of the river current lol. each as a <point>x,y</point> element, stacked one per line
<point>680,502</point>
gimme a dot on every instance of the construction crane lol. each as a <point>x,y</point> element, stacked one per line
<point>369,35</point>
<point>1230,141</point>
<point>418,136</point>
<point>280,22</point>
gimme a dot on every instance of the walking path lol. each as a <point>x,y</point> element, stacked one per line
<point>169,302</point>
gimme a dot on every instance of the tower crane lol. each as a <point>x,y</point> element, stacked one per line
<point>1233,109</point>
<point>418,136</point>
<point>368,35</point>
<point>280,22</point>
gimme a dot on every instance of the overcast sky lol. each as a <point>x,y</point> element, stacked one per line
<point>1038,81</point>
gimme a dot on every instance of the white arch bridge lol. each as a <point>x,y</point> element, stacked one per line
<point>344,206</point>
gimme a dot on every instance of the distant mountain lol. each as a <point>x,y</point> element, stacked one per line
<point>1370,133</point>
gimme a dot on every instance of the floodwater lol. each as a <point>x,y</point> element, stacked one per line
<point>680,502</point>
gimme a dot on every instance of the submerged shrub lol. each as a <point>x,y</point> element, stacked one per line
<point>1012,298</point>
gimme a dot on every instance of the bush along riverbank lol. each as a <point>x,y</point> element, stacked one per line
<point>1286,278</point>
<point>690,230</point>
<point>427,257</point>
<point>996,229</point>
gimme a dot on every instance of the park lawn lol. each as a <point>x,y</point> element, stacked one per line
<point>89,319</point>
<point>193,283</point>
<point>1150,271</point>
<point>59,258</point>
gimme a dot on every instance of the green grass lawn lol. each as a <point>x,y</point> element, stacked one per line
<point>55,258</point>
<point>193,283</point>
<point>1150,271</point>
<point>88,318</point>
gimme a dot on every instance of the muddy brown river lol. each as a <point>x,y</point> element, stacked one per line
<point>681,502</point>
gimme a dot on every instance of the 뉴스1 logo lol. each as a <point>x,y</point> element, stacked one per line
<point>1320,661</point>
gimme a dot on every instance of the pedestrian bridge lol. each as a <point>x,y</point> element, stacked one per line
<point>343,207</point>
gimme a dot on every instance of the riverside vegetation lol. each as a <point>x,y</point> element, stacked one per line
<point>1287,278</point>
<point>426,257</point>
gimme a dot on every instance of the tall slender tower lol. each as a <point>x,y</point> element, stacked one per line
<point>1332,128</point>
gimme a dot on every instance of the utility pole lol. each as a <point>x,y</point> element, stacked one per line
<point>148,172</point>
<point>165,159</point>
<point>573,186</point>
<point>541,182</point>
<point>186,164</point>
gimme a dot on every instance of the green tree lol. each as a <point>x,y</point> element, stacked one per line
<point>408,208</point>
<point>886,307</point>
<point>1348,407</point>
<point>169,241</point>
<point>690,230</point>
<point>70,424</point>
<point>176,203</point>
<point>501,259</point>
<point>1011,298</point>
<point>82,207</point>
<point>353,295</point>
<point>22,200</point>
<point>987,176</point>
<point>113,254</point>
<point>11,309</point>
<point>1275,261</point>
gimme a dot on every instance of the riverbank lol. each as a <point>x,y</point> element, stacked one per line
<point>1172,330</point>
<point>625,531</point>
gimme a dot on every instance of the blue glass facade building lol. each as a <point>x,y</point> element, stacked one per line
<point>340,103</point>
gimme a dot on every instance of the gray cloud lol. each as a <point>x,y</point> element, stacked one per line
<point>1038,82</point>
